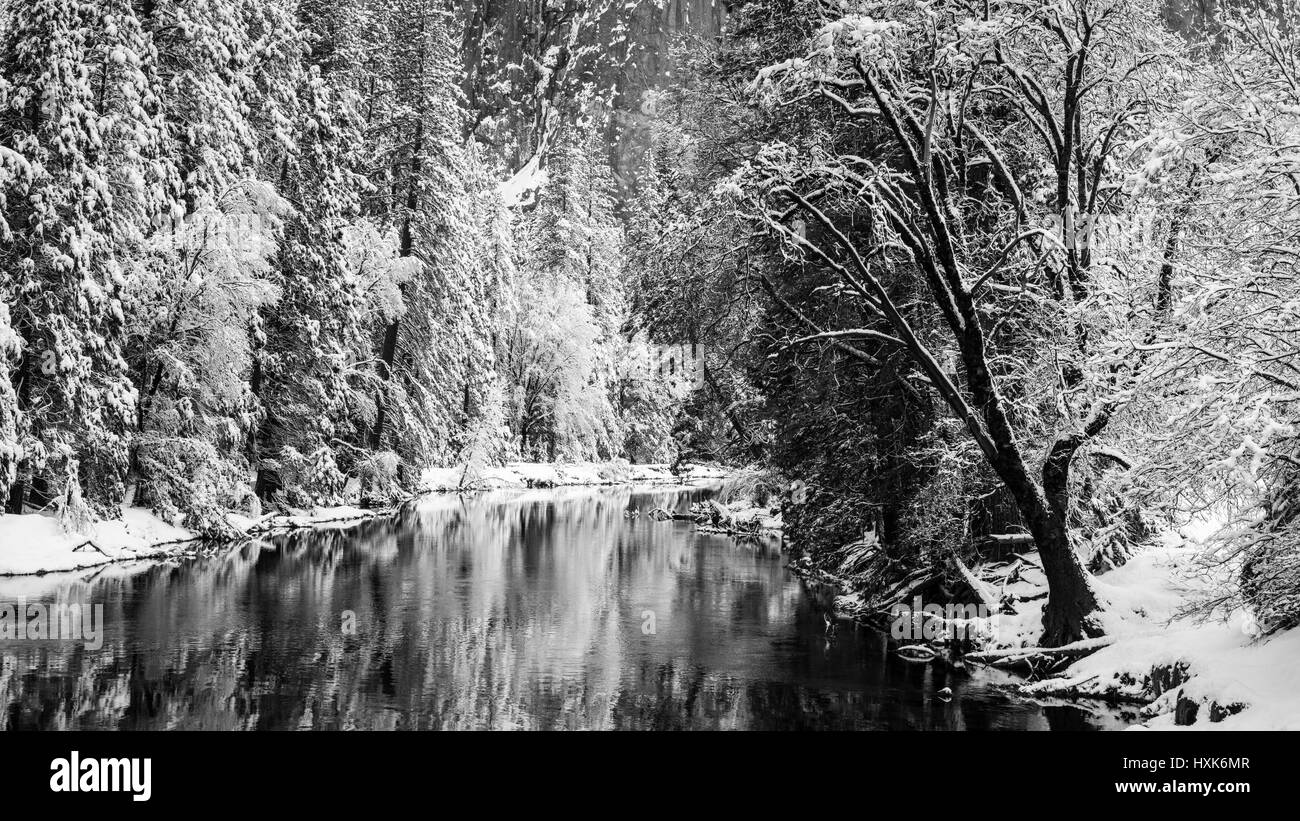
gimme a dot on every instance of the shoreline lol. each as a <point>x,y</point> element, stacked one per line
<point>1176,670</point>
<point>34,544</point>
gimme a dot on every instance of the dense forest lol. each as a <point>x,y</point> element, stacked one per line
<point>971,274</point>
<point>1002,273</point>
<point>255,251</point>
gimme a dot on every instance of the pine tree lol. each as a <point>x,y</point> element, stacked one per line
<point>560,352</point>
<point>304,443</point>
<point>81,127</point>
<point>427,355</point>
<point>194,306</point>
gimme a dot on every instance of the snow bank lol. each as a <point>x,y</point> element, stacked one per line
<point>743,518</point>
<point>322,518</point>
<point>36,543</point>
<point>535,474</point>
<point>1211,674</point>
<point>1139,598</point>
<point>764,518</point>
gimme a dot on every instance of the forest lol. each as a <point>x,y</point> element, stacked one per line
<point>255,252</point>
<point>972,276</point>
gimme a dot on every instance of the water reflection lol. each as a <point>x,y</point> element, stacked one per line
<point>513,610</point>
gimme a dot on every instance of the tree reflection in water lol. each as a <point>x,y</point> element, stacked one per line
<point>508,610</point>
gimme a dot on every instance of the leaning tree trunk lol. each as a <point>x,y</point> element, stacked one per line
<point>1071,602</point>
<point>927,226</point>
<point>1068,615</point>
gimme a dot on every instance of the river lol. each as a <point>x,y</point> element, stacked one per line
<point>540,609</point>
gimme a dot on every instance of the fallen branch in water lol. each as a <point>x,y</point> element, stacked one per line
<point>661,515</point>
<point>917,652</point>
<point>1038,662</point>
<point>1078,649</point>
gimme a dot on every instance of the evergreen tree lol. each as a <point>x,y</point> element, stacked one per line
<point>82,131</point>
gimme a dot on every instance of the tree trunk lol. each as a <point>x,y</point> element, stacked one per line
<point>22,381</point>
<point>1071,602</point>
<point>388,354</point>
<point>17,493</point>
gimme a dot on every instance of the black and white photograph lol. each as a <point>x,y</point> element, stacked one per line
<point>829,367</point>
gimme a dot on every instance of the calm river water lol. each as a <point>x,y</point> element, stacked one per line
<point>506,610</point>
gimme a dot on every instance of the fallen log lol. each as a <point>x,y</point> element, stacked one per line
<point>917,652</point>
<point>661,515</point>
<point>1022,557</point>
<point>1006,539</point>
<point>983,589</point>
<point>901,591</point>
<point>1074,651</point>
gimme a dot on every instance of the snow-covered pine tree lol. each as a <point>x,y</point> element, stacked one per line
<point>558,354</point>
<point>486,439</point>
<point>81,129</point>
<point>429,355</point>
<point>193,310</point>
<point>306,441</point>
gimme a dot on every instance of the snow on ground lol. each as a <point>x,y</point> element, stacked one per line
<point>746,514</point>
<point>739,518</point>
<point>1140,598</point>
<point>322,517</point>
<point>1165,658</point>
<point>533,474</point>
<point>37,543</point>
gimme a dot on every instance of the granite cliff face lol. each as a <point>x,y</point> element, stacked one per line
<point>522,63</point>
<point>656,33</point>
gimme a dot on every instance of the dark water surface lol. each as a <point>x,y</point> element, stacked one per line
<point>508,610</point>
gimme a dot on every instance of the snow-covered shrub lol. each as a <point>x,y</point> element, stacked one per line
<point>378,475</point>
<point>1270,567</point>
<point>310,479</point>
<point>487,441</point>
<point>752,485</point>
<point>1108,521</point>
<point>189,479</point>
<point>75,516</point>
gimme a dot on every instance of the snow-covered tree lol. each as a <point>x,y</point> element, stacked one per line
<point>559,350</point>
<point>81,135</point>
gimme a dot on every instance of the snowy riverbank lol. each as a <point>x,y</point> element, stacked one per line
<point>1185,672</point>
<point>36,543</point>
<point>534,474</point>
<point>1188,673</point>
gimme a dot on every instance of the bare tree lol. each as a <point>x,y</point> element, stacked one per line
<point>924,92</point>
